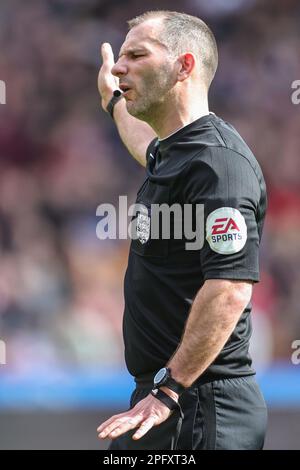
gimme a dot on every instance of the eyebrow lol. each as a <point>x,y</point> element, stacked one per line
<point>132,50</point>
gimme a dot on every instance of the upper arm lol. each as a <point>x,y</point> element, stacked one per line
<point>135,134</point>
<point>140,152</point>
<point>227,186</point>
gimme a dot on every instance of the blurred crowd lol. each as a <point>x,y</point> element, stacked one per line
<point>61,299</point>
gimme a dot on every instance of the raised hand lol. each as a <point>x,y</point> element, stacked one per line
<point>107,82</point>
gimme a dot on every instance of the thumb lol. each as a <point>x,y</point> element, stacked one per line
<point>107,55</point>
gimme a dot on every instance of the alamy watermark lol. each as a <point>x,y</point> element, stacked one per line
<point>295,96</point>
<point>162,221</point>
<point>2,92</point>
<point>2,352</point>
<point>224,229</point>
<point>295,358</point>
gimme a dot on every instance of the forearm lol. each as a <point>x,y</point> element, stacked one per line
<point>135,134</point>
<point>213,317</point>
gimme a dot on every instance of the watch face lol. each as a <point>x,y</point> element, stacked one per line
<point>161,374</point>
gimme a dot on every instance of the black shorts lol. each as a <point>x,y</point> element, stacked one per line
<point>223,414</point>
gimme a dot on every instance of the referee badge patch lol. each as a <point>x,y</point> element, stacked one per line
<point>143,225</point>
<point>226,230</point>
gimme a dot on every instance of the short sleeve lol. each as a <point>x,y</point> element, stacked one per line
<point>151,150</point>
<point>227,186</point>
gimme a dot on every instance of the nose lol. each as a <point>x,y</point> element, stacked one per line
<point>119,69</point>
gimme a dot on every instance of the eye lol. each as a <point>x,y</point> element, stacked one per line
<point>136,56</point>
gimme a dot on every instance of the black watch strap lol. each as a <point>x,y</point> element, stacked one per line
<point>117,95</point>
<point>174,386</point>
<point>173,406</point>
<point>166,400</point>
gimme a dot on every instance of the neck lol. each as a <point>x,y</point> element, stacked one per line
<point>179,113</point>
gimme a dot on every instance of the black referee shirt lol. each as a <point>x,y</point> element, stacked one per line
<point>206,163</point>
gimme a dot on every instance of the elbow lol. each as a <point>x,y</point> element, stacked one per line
<point>236,294</point>
<point>239,295</point>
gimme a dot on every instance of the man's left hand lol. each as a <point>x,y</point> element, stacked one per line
<point>148,413</point>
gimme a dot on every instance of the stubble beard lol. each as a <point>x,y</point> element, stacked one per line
<point>152,94</point>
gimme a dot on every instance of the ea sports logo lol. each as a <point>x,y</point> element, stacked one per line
<point>226,230</point>
<point>223,225</point>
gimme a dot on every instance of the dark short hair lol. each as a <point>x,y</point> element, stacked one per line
<point>181,33</point>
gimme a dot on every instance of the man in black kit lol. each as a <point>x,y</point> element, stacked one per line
<point>187,311</point>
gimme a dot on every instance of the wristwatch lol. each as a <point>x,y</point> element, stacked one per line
<point>164,378</point>
<point>117,95</point>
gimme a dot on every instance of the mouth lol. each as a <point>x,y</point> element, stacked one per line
<point>125,89</point>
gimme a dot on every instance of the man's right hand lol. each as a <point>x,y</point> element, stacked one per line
<point>107,83</point>
<point>135,134</point>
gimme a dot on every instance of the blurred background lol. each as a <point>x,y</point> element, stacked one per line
<point>61,299</point>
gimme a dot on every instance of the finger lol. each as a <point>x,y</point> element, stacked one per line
<point>123,424</point>
<point>106,423</point>
<point>107,55</point>
<point>109,422</point>
<point>108,432</point>
<point>144,428</point>
<point>105,432</point>
<point>125,427</point>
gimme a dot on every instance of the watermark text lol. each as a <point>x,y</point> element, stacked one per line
<point>295,358</point>
<point>295,96</point>
<point>2,352</point>
<point>2,92</point>
<point>158,221</point>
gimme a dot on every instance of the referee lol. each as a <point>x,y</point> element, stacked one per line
<point>187,312</point>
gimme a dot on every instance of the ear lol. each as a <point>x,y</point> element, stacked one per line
<point>186,66</point>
